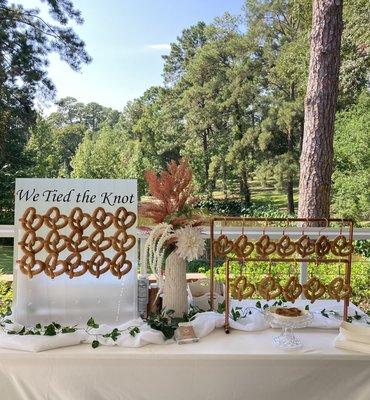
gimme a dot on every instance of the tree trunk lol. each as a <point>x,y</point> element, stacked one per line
<point>244,188</point>
<point>175,295</point>
<point>290,196</point>
<point>207,183</point>
<point>316,161</point>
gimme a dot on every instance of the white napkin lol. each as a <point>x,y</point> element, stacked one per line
<point>205,323</point>
<point>353,337</point>
<point>36,343</point>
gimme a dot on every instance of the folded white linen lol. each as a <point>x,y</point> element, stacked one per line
<point>341,342</point>
<point>36,343</point>
<point>355,332</point>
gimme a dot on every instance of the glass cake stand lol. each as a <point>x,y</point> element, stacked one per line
<point>287,340</point>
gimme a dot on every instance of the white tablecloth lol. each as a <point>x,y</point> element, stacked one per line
<point>238,366</point>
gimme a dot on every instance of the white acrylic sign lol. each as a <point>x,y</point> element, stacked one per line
<point>75,255</point>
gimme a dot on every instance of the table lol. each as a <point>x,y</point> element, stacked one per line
<point>239,366</point>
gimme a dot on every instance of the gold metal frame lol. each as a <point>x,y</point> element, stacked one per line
<point>347,260</point>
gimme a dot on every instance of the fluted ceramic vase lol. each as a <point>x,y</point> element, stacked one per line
<point>175,295</point>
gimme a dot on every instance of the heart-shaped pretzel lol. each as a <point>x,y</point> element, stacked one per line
<point>285,246</point>
<point>119,266</point>
<point>123,242</point>
<point>124,219</point>
<point>313,289</point>
<point>75,266</point>
<point>101,219</point>
<point>51,266</point>
<point>222,246</point>
<point>31,243</point>
<point>78,220</point>
<point>292,289</point>
<point>98,264</point>
<point>337,289</point>
<point>341,247</point>
<point>322,246</point>
<point>76,242</point>
<point>305,246</point>
<point>31,221</point>
<point>54,242</point>
<point>98,242</point>
<point>242,247</point>
<point>54,219</point>
<point>29,266</point>
<point>264,246</point>
<point>241,288</point>
<point>269,289</point>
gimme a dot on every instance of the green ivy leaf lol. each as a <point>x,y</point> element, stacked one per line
<point>95,344</point>
<point>50,330</point>
<point>307,307</point>
<point>134,331</point>
<point>258,304</point>
<point>92,324</point>
<point>38,326</point>
<point>57,326</point>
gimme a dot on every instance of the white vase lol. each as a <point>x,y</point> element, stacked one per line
<point>175,295</point>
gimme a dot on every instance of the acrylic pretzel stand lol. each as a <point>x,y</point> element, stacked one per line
<point>339,250</point>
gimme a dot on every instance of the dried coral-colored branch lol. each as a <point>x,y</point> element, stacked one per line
<point>171,192</point>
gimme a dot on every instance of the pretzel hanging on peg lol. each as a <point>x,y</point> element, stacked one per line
<point>285,246</point>
<point>304,245</point>
<point>340,246</point>
<point>292,289</point>
<point>268,287</point>
<point>242,246</point>
<point>322,245</point>
<point>222,245</point>
<point>264,246</point>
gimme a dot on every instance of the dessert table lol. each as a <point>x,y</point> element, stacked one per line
<point>238,366</point>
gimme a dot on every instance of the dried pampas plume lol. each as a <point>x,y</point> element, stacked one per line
<point>171,192</point>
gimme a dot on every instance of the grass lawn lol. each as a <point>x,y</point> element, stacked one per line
<point>6,259</point>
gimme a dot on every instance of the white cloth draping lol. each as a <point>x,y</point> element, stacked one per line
<point>238,366</point>
<point>204,324</point>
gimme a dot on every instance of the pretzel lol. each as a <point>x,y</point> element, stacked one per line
<point>242,247</point>
<point>285,246</point>
<point>305,246</point>
<point>101,219</point>
<point>54,219</point>
<point>75,266</point>
<point>123,242</point>
<point>51,264</point>
<point>31,243</point>
<point>78,220</point>
<point>337,289</point>
<point>292,289</point>
<point>269,289</point>
<point>264,247</point>
<point>76,242</point>
<point>98,242</point>
<point>98,264</point>
<point>29,266</point>
<point>341,247</point>
<point>119,266</point>
<point>241,288</point>
<point>313,289</point>
<point>30,220</point>
<point>288,312</point>
<point>54,242</point>
<point>124,219</point>
<point>222,246</point>
<point>322,246</point>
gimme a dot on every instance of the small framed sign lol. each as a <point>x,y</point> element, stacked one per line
<point>75,252</point>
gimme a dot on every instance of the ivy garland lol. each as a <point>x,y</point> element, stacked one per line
<point>55,328</point>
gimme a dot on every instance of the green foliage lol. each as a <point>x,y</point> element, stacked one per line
<point>351,188</point>
<point>163,322</point>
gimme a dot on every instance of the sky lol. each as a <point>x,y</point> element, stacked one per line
<point>126,39</point>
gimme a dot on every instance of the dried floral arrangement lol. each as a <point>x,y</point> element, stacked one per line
<point>177,228</point>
